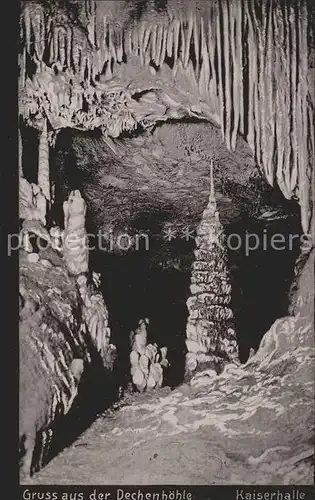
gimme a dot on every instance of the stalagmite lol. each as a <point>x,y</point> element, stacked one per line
<point>40,202</point>
<point>209,330</point>
<point>76,253</point>
<point>43,162</point>
<point>220,76</point>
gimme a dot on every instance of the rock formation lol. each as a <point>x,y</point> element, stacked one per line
<point>75,242</point>
<point>63,324</point>
<point>210,330</point>
<point>263,47</point>
<point>147,361</point>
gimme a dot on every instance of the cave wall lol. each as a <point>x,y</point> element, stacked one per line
<point>64,335</point>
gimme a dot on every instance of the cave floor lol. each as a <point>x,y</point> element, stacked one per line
<point>252,424</point>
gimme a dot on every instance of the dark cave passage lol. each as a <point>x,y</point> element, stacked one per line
<point>261,278</point>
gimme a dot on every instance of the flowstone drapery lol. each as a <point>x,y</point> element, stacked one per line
<point>210,331</point>
<point>220,51</point>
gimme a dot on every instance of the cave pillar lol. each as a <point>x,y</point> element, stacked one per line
<point>210,333</point>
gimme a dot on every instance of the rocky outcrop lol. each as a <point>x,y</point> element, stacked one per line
<point>147,361</point>
<point>63,330</point>
<point>210,330</point>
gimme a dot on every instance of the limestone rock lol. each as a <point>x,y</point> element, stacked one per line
<point>75,245</point>
<point>209,323</point>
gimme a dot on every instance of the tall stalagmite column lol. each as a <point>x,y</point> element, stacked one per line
<point>210,331</point>
<point>75,243</point>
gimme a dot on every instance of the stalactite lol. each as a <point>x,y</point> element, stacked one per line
<point>212,43</point>
<point>251,86</point>
<point>159,39</point>
<point>43,162</point>
<point>170,40</point>
<point>23,67</point>
<point>56,44</point>
<point>176,40</point>
<point>62,47</point>
<point>104,41</point>
<point>287,62</point>
<point>153,42</point>
<point>36,28</point>
<point>163,48</point>
<point>269,86</point>
<point>239,43</point>
<point>76,56</point>
<point>220,75</point>
<point>135,41</point>
<point>205,68</point>
<point>304,181</point>
<point>227,80</point>
<point>235,42</point>
<point>69,36</point>
<point>188,38</point>
<point>20,145</point>
<point>141,39</point>
<point>280,107</point>
<point>257,111</point>
<point>119,48</point>
<point>112,48</point>
<point>294,73</point>
<point>197,41</point>
<point>27,21</point>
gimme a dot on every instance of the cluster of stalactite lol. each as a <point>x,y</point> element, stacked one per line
<point>210,328</point>
<point>147,361</point>
<point>232,50</point>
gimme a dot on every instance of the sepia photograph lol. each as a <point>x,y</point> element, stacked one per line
<point>165,246</point>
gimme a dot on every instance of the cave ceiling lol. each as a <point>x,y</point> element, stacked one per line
<point>239,74</point>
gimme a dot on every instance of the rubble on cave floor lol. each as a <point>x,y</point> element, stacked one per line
<point>252,424</point>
